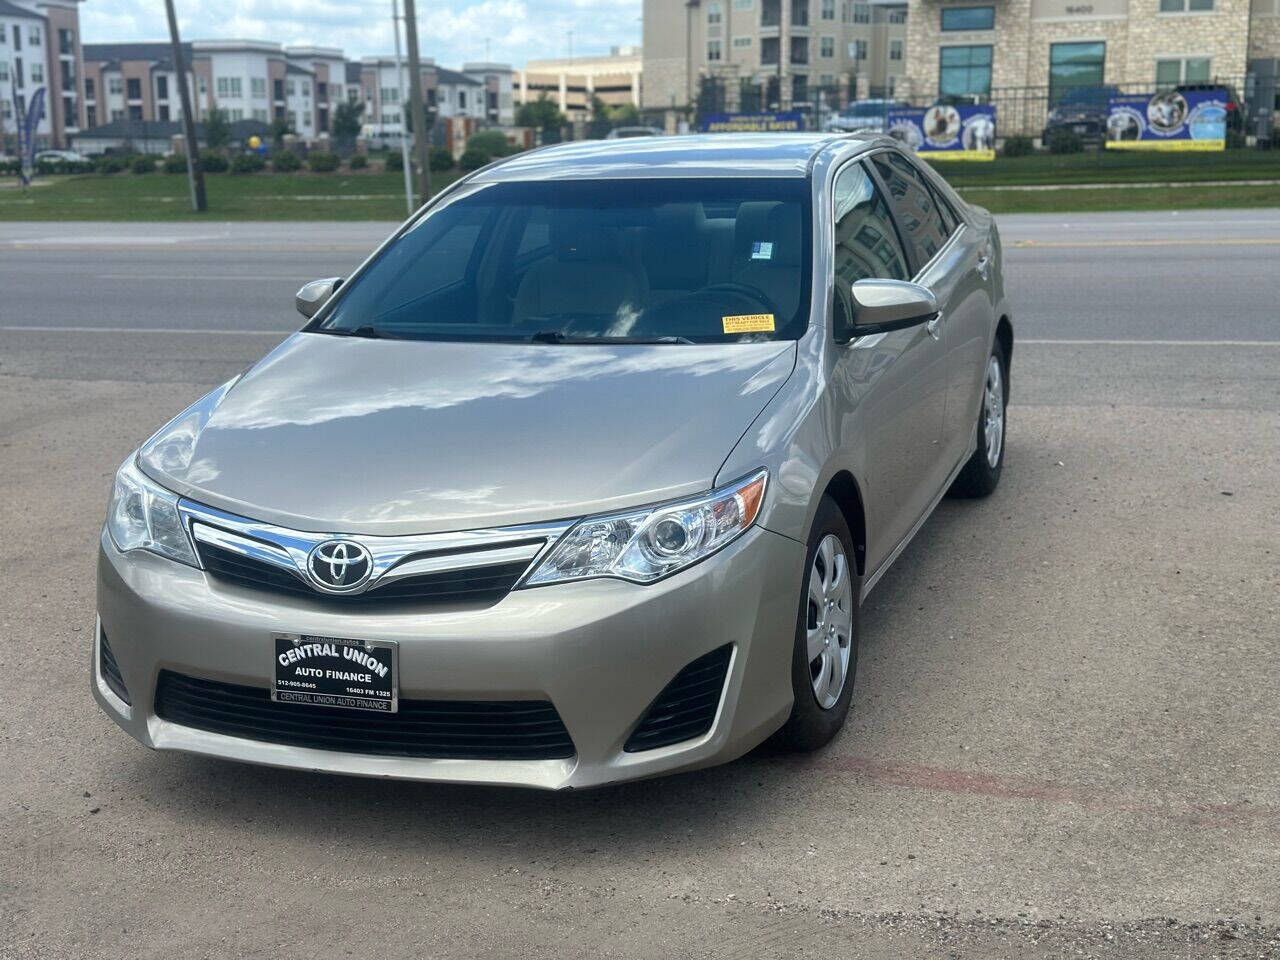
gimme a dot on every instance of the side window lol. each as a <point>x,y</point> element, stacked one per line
<point>866,243</point>
<point>914,205</point>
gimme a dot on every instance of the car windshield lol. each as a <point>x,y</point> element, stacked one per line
<point>661,260</point>
<point>867,110</point>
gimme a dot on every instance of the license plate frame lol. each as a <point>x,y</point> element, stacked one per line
<point>305,677</point>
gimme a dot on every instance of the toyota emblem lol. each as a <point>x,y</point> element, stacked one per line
<point>339,566</point>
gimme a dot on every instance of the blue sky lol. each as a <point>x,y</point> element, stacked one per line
<point>451,32</point>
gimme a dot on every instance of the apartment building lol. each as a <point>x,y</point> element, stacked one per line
<point>968,48</point>
<point>132,81</point>
<point>773,54</point>
<point>479,93</point>
<point>572,82</point>
<point>40,48</point>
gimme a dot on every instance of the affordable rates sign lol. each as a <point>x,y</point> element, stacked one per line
<point>1172,120</point>
<point>788,122</point>
<point>945,132</point>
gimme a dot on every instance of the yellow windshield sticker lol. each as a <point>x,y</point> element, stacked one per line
<point>748,323</point>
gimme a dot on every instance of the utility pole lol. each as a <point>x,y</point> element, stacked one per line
<point>194,174</point>
<point>404,136</point>
<point>420,131</point>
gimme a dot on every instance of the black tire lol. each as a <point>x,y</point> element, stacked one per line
<point>979,478</point>
<point>810,725</point>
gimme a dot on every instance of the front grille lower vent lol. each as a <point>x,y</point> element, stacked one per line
<point>687,705</point>
<point>487,584</point>
<point>454,729</point>
<point>110,670</point>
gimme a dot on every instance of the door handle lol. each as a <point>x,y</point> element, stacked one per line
<point>932,325</point>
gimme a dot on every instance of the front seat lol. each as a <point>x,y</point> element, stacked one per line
<point>585,274</point>
<point>767,252</point>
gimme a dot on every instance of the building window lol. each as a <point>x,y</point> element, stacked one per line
<point>33,36</point>
<point>462,99</point>
<point>135,111</point>
<point>235,114</point>
<point>799,13</point>
<point>799,88</point>
<point>4,74</point>
<point>713,14</point>
<point>741,42</point>
<point>713,50</point>
<point>827,81</point>
<point>258,88</point>
<point>88,88</point>
<point>117,115</point>
<point>164,113</point>
<point>290,88</point>
<point>260,114</point>
<point>799,49</point>
<point>133,88</point>
<point>67,43</point>
<point>768,51</point>
<point>37,72</point>
<point>390,94</point>
<point>322,90</point>
<point>828,10</point>
<point>1185,6</point>
<point>1074,65</point>
<point>115,85</point>
<point>1175,70</point>
<point>898,16</point>
<point>858,49</point>
<point>965,71</point>
<point>162,88</point>
<point>91,115</point>
<point>895,49</point>
<point>827,47</point>
<point>17,38</point>
<point>968,18</point>
<point>229,86</point>
<point>203,84</point>
<point>862,13</point>
<point>743,4</point>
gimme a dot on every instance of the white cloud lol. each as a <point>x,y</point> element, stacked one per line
<point>515,30</point>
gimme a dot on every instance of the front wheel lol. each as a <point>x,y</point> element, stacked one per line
<point>825,656</point>
<point>981,474</point>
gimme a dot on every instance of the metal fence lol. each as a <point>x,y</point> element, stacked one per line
<point>1033,112</point>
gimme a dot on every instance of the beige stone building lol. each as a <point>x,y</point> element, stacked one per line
<point>1022,54</point>
<point>773,54</point>
<point>571,82</point>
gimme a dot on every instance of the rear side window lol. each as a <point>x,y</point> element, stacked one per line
<point>923,225</point>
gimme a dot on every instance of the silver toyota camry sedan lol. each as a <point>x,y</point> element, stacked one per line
<point>580,477</point>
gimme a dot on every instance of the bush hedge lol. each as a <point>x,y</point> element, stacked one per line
<point>109,165</point>
<point>248,163</point>
<point>358,162</point>
<point>175,163</point>
<point>473,158</point>
<point>286,161</point>
<point>323,162</point>
<point>211,161</point>
<point>1018,147</point>
<point>1065,141</point>
<point>440,159</point>
<point>394,162</point>
<point>143,163</point>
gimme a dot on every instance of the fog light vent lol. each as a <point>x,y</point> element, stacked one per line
<point>110,670</point>
<point>687,705</point>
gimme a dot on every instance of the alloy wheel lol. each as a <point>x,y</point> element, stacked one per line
<point>829,621</point>
<point>993,413</point>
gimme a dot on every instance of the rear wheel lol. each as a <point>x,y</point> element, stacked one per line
<point>825,657</point>
<point>981,475</point>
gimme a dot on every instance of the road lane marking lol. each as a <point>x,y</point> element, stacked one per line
<point>1148,343</point>
<point>1214,242</point>
<point>295,277</point>
<point>31,328</point>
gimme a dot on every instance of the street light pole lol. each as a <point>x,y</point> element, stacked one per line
<point>194,174</point>
<point>415,97</point>
<point>404,132</point>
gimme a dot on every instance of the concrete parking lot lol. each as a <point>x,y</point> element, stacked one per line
<point>1065,725</point>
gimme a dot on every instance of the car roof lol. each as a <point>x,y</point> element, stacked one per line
<point>699,155</point>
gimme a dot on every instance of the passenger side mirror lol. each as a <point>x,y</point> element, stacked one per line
<point>883,305</point>
<point>311,297</point>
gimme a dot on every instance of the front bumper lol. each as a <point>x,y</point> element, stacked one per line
<point>599,650</point>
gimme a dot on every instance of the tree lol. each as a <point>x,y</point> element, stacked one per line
<point>346,121</point>
<point>488,144</point>
<point>279,128</point>
<point>539,113</point>
<point>217,129</point>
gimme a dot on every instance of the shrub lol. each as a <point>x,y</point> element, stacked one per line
<point>1236,140</point>
<point>490,143</point>
<point>286,161</point>
<point>211,161</point>
<point>440,159</point>
<point>109,165</point>
<point>473,159</point>
<point>248,163</point>
<point>10,168</point>
<point>323,162</point>
<point>175,163</point>
<point>46,167</point>
<point>143,163</point>
<point>1018,147</point>
<point>395,162</point>
<point>358,162</point>
<point>1065,141</point>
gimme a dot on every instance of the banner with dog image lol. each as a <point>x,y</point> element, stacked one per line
<point>1172,120</point>
<point>945,132</point>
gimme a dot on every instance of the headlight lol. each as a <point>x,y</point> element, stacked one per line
<point>144,516</point>
<point>649,543</point>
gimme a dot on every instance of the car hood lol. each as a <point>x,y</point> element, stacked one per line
<point>350,435</point>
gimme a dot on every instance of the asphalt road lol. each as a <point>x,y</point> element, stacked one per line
<point>1065,727</point>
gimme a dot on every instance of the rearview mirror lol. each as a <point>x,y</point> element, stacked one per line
<point>883,305</point>
<point>312,296</point>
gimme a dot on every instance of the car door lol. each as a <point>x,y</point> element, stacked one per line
<point>896,380</point>
<point>951,259</point>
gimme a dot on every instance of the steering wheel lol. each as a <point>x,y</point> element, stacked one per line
<point>742,290</point>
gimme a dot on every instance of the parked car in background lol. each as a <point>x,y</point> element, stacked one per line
<point>868,115</point>
<point>580,478</point>
<point>625,133</point>
<point>1082,111</point>
<point>60,156</point>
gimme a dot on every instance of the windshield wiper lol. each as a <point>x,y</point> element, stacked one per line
<point>557,336</point>
<point>366,330</point>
